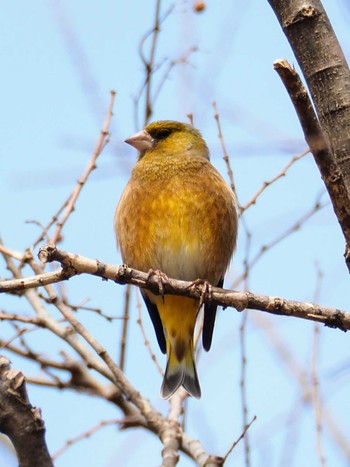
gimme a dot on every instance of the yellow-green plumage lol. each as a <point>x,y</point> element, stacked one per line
<point>177,215</point>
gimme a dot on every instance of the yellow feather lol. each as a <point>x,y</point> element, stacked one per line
<point>177,215</point>
<point>178,315</point>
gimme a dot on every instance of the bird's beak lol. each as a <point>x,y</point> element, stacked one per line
<point>141,141</point>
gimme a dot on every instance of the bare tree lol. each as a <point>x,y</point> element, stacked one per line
<point>85,365</point>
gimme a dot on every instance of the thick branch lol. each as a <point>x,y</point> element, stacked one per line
<point>314,137</point>
<point>314,43</point>
<point>74,264</point>
<point>20,421</point>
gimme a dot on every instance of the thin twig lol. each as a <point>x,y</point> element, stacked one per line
<point>285,354</point>
<point>68,205</point>
<point>19,332</point>
<point>293,228</point>
<point>46,228</point>
<point>183,59</point>
<point>125,327</point>
<point>144,335</point>
<point>243,345</point>
<point>243,385</point>
<point>224,150</point>
<point>10,253</point>
<point>315,380</point>
<point>69,443</point>
<point>80,378</point>
<point>243,434</point>
<point>266,184</point>
<point>21,319</point>
<point>101,143</point>
<point>149,64</point>
<point>98,311</point>
<point>190,118</point>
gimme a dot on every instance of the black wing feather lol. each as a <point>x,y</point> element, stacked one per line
<point>156,321</point>
<point>209,321</point>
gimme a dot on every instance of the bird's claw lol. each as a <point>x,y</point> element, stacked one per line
<point>206,290</point>
<point>155,276</point>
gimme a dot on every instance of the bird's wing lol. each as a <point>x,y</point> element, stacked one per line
<point>209,320</point>
<point>156,321</point>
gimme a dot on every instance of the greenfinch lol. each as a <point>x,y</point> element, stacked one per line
<point>178,216</point>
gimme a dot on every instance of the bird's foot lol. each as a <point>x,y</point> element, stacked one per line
<point>206,290</point>
<point>159,279</point>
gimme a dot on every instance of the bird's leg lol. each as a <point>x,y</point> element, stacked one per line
<point>206,291</point>
<point>155,276</point>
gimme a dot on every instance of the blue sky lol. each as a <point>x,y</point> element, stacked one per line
<point>59,62</point>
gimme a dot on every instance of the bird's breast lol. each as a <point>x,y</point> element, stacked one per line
<point>183,225</point>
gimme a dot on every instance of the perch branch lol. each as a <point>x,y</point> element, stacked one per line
<point>73,264</point>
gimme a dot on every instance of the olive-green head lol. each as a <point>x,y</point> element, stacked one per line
<point>167,137</point>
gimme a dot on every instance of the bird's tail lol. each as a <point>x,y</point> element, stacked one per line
<point>180,371</point>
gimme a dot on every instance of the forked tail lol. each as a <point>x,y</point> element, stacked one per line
<point>180,372</point>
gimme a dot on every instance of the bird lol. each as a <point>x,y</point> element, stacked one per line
<point>177,215</point>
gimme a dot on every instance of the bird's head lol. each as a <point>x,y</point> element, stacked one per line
<point>169,137</point>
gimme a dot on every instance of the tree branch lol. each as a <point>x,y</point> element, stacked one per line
<point>73,264</point>
<point>20,421</point>
<point>316,140</point>
<point>315,45</point>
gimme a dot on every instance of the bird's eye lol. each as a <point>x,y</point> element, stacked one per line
<point>161,133</point>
